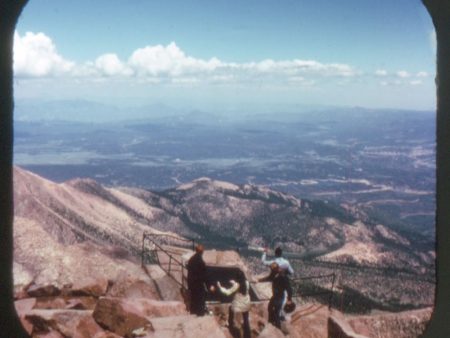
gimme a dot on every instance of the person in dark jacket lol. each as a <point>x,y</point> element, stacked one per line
<point>196,279</point>
<point>280,285</point>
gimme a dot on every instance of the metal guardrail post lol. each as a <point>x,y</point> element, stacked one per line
<point>330,299</point>
<point>158,247</point>
<point>142,250</point>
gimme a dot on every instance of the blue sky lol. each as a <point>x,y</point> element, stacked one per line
<point>228,54</point>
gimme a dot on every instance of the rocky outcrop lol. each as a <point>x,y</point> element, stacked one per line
<point>186,327</point>
<point>339,327</point>
<point>67,322</point>
<point>76,273</point>
<point>123,316</point>
<point>392,325</point>
<point>271,331</point>
<point>83,210</point>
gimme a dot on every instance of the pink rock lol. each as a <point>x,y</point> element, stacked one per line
<point>187,326</point>
<point>24,305</point>
<point>51,334</point>
<point>81,303</point>
<point>50,303</point>
<point>26,325</point>
<point>122,316</point>
<point>410,323</point>
<point>128,287</point>
<point>271,331</point>
<point>309,320</point>
<point>119,317</point>
<point>95,287</point>
<point>64,321</point>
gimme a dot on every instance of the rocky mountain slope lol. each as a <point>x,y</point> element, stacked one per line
<point>77,244</point>
<point>220,213</point>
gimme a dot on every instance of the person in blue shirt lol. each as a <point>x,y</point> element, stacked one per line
<point>282,262</point>
<point>283,265</point>
<point>281,288</point>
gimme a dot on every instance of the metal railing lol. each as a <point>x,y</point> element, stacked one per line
<point>154,243</point>
<point>301,287</point>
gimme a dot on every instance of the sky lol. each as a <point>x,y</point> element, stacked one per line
<point>228,55</point>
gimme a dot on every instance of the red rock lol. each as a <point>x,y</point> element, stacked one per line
<point>94,287</point>
<point>81,303</point>
<point>43,290</point>
<point>119,317</point>
<point>63,321</point>
<point>50,303</point>
<point>106,334</point>
<point>87,328</point>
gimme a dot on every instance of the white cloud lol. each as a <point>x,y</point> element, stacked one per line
<point>422,74</point>
<point>297,67</point>
<point>415,82</point>
<point>110,65</point>
<point>35,55</point>
<point>403,74</point>
<point>381,72</point>
<point>168,60</point>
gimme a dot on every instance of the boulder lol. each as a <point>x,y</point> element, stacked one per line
<point>168,289</point>
<point>187,326</point>
<point>81,303</point>
<point>88,286</point>
<point>308,321</point>
<point>74,303</point>
<point>122,316</point>
<point>24,305</point>
<point>50,303</point>
<point>87,328</point>
<point>271,331</point>
<point>48,290</point>
<point>51,334</point>
<point>339,327</point>
<point>119,316</point>
<point>65,322</point>
<point>106,334</point>
<point>391,325</point>
<point>129,286</point>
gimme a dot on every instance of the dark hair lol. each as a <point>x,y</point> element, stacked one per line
<point>278,252</point>
<point>240,278</point>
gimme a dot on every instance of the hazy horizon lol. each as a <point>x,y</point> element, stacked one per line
<point>227,56</point>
